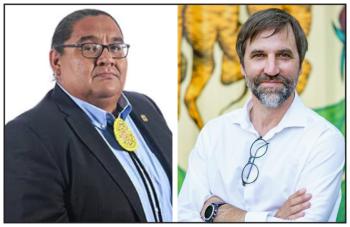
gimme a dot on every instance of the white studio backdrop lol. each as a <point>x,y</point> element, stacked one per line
<point>151,30</point>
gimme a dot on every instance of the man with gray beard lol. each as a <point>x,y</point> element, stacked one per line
<point>274,160</point>
<point>270,97</point>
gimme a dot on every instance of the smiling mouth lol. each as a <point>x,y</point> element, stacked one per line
<point>271,82</point>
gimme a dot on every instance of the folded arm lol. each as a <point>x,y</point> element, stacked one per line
<point>292,209</point>
<point>321,177</point>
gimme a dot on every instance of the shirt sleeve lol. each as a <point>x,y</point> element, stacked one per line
<point>195,189</point>
<point>322,176</point>
<point>255,216</point>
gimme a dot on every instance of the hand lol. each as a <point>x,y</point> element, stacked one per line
<point>213,199</point>
<point>294,207</point>
<point>226,213</point>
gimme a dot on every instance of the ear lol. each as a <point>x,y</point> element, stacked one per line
<point>55,62</point>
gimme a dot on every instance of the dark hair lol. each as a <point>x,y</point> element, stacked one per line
<point>65,28</point>
<point>270,19</point>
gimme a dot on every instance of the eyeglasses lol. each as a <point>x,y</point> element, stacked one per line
<point>94,50</point>
<point>250,171</point>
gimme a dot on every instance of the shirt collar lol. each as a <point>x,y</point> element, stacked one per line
<point>294,117</point>
<point>242,116</point>
<point>98,116</point>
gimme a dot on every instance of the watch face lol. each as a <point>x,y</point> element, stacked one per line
<point>209,211</point>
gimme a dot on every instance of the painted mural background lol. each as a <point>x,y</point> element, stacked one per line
<point>209,78</point>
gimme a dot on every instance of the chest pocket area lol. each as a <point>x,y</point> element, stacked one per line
<point>279,171</point>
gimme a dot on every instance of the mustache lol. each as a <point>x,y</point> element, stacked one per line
<point>278,79</point>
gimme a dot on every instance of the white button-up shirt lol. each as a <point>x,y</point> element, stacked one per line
<point>304,151</point>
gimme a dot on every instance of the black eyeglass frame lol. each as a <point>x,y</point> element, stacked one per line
<point>81,45</point>
<point>251,160</point>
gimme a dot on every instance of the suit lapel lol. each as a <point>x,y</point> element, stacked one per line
<point>151,132</point>
<point>97,146</point>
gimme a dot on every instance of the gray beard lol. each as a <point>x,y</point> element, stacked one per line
<point>270,97</point>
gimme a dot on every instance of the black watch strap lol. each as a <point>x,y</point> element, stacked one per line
<point>211,211</point>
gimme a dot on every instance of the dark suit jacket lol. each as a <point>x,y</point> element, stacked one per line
<point>59,169</point>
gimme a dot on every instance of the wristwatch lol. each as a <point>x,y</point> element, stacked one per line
<point>211,211</point>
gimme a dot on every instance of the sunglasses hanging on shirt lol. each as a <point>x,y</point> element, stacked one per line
<point>250,171</point>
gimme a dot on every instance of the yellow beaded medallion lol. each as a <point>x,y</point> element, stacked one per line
<point>124,136</point>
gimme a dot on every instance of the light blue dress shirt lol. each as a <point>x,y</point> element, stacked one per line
<point>99,118</point>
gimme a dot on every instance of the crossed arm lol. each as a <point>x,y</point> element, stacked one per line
<point>292,209</point>
<point>321,174</point>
